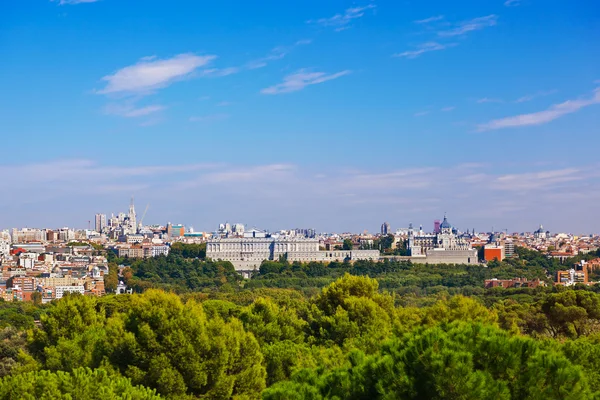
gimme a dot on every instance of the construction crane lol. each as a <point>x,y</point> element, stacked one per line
<point>144,215</point>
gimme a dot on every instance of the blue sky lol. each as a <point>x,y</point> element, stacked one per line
<point>336,115</point>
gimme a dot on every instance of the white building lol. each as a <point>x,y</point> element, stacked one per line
<point>27,260</point>
<point>61,290</point>
<point>541,234</point>
<point>4,248</point>
<point>246,254</point>
<point>160,250</point>
<point>445,247</point>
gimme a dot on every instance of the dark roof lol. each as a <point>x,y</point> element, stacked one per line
<point>445,224</point>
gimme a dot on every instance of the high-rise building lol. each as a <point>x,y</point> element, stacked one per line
<point>132,218</point>
<point>385,228</point>
<point>509,248</point>
<point>436,226</point>
<point>100,222</point>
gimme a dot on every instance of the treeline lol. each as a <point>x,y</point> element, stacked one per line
<point>174,272</point>
<point>186,269</point>
<point>349,340</point>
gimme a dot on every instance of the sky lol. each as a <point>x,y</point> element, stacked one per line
<point>334,115</point>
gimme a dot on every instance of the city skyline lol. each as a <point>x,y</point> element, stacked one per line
<point>119,217</point>
<point>335,116</point>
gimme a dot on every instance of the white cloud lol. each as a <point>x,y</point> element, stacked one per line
<point>219,72</point>
<point>512,3</point>
<point>421,113</point>
<point>534,96</point>
<point>489,100</point>
<point>341,21</point>
<point>474,24</point>
<point>289,195</point>
<point>71,2</point>
<point>536,180</point>
<point>149,74</point>
<point>224,104</point>
<point>301,79</point>
<point>538,118</point>
<point>430,19</point>
<point>276,53</point>
<point>130,111</point>
<point>447,109</point>
<point>239,175</point>
<point>424,48</point>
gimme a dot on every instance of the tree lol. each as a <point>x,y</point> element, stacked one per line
<point>271,323</point>
<point>347,245</point>
<point>111,280</point>
<point>449,361</point>
<point>81,384</point>
<point>387,242</point>
<point>162,343</point>
<point>351,312</point>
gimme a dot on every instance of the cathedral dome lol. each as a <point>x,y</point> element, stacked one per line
<point>445,224</point>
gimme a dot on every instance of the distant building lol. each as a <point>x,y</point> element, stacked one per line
<point>27,235</point>
<point>513,283</point>
<point>509,248</point>
<point>100,222</point>
<point>61,290</point>
<point>445,247</point>
<point>541,234</point>
<point>436,226</point>
<point>572,277</point>
<point>238,229</point>
<point>493,252</point>
<point>175,231</point>
<point>255,233</point>
<point>4,248</point>
<point>385,228</point>
<point>246,254</point>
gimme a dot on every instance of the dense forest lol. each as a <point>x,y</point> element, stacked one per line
<point>390,330</point>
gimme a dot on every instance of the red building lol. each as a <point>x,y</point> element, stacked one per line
<point>492,252</point>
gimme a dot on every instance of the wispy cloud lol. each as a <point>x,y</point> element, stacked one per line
<point>474,24</point>
<point>280,195</point>
<point>512,3</point>
<point>536,180</point>
<point>276,53</point>
<point>421,113</point>
<point>542,117</point>
<point>424,48</point>
<point>224,103</point>
<point>301,79</point>
<point>150,73</point>
<point>341,21</point>
<point>219,72</point>
<point>131,111</point>
<point>484,100</point>
<point>447,109</point>
<point>430,19</point>
<point>210,118</point>
<point>535,95</point>
<point>248,174</point>
<point>71,2</point>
